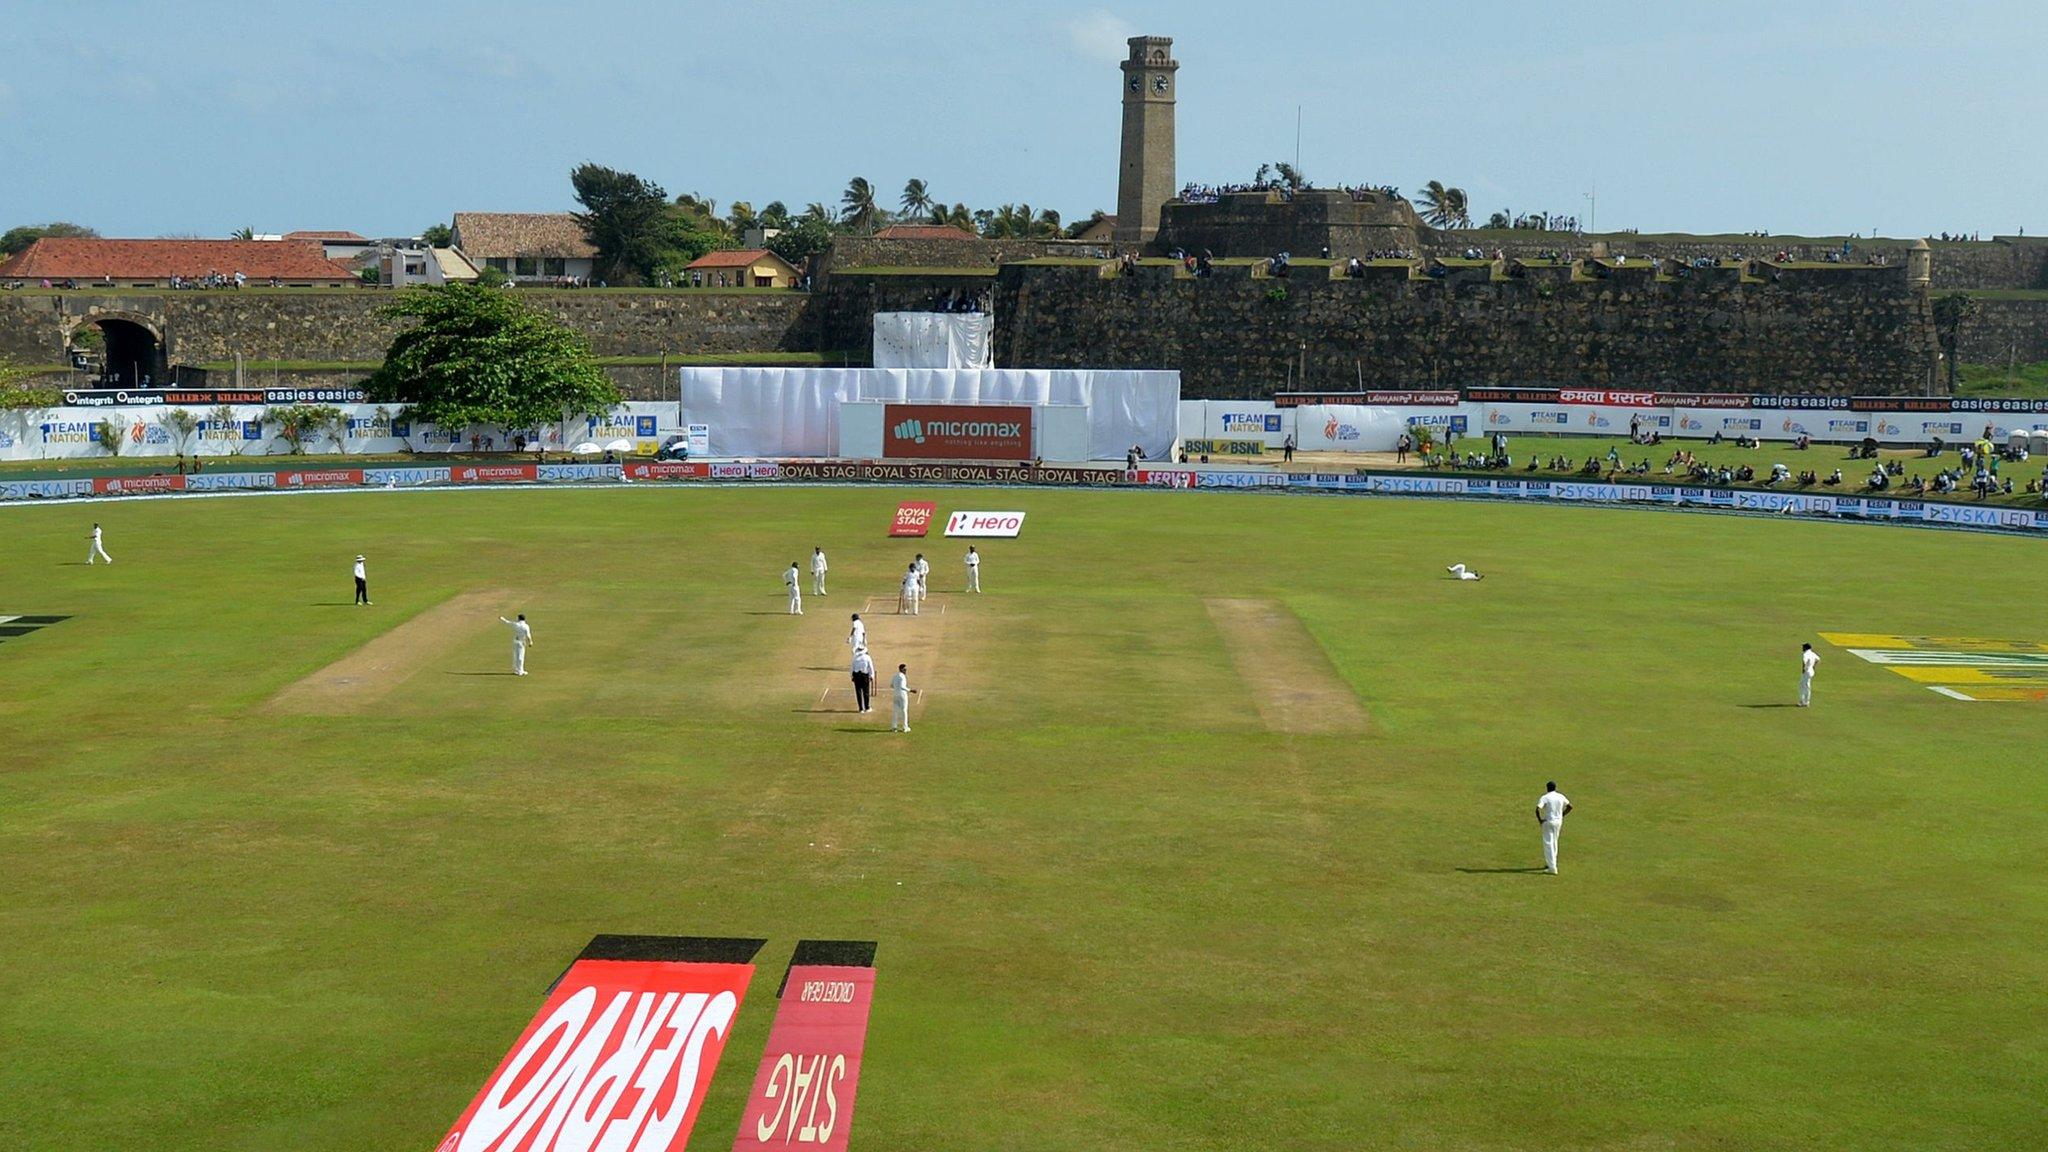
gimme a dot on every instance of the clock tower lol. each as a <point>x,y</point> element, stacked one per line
<point>1145,178</point>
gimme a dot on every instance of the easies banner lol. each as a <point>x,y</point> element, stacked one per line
<point>620,1055</point>
<point>803,1092</point>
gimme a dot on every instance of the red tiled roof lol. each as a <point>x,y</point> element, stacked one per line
<point>735,258</point>
<point>924,232</point>
<point>347,237</point>
<point>79,258</point>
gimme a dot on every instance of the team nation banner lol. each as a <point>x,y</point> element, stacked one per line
<point>913,518</point>
<point>803,1093</point>
<point>620,1056</point>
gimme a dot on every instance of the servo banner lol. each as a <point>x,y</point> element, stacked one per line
<point>803,1093</point>
<point>619,1057</point>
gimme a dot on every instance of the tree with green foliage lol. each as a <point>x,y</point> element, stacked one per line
<point>1949,313</point>
<point>739,216</point>
<point>111,437</point>
<point>302,425</point>
<point>243,233</point>
<point>476,356</point>
<point>1444,207</point>
<point>625,218</point>
<point>805,237</point>
<point>775,215</point>
<point>24,394</point>
<point>179,424</point>
<point>486,277</point>
<point>917,199</point>
<point>15,239</point>
<point>857,204</point>
<point>438,235</point>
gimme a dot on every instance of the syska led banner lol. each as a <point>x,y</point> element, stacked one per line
<point>620,1055</point>
<point>956,432</point>
<point>804,1090</point>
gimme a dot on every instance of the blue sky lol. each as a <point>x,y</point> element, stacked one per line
<point>146,119</point>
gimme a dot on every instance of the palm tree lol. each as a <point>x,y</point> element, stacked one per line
<point>740,216</point>
<point>1460,211</point>
<point>1047,224</point>
<point>917,200</point>
<point>775,215</point>
<point>1289,174</point>
<point>1443,207</point>
<point>858,204</point>
<point>957,216</point>
<point>1498,220</point>
<point>817,211</point>
<point>243,234</point>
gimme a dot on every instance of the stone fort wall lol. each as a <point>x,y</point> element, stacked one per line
<point>1834,330</point>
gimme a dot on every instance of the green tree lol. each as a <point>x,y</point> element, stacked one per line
<point>438,235</point>
<point>112,437</point>
<point>1444,207</point>
<point>15,239</point>
<point>957,216</point>
<point>775,215</point>
<point>917,199</point>
<point>805,237</point>
<point>857,204</point>
<point>817,211</point>
<point>1949,313</point>
<point>740,217</point>
<point>243,233</point>
<point>180,424</point>
<point>1289,175</point>
<point>1498,220</point>
<point>23,396</point>
<point>624,217</point>
<point>302,425</point>
<point>1079,226</point>
<point>486,277</point>
<point>481,357</point>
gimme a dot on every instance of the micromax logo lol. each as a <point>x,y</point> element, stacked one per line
<point>911,430</point>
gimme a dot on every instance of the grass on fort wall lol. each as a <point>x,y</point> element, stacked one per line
<point>1115,909</point>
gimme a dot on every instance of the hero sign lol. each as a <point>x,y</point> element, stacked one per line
<point>984,523</point>
<point>803,1093</point>
<point>913,518</point>
<point>618,1059</point>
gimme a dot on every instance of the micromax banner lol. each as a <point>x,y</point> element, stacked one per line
<point>984,524</point>
<point>956,432</point>
<point>620,1055</point>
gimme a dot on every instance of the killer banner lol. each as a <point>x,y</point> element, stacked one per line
<point>620,1055</point>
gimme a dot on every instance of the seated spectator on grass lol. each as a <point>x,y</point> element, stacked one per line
<point>1834,478</point>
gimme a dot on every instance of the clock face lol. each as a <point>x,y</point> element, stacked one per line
<point>1159,84</point>
<point>1134,83</point>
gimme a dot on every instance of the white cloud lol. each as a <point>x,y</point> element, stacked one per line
<point>1100,36</point>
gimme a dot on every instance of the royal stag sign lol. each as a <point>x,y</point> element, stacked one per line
<point>956,432</point>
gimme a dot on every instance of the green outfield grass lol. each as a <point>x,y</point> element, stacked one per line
<point>1120,905</point>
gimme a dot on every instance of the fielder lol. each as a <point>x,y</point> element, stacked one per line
<point>795,583</point>
<point>1550,811</point>
<point>900,690</point>
<point>863,679</point>
<point>858,638</point>
<point>1808,661</point>
<point>362,583</point>
<point>818,571</point>
<point>522,638</point>
<point>906,600</point>
<point>924,572</point>
<point>973,569</point>
<point>97,550</point>
<point>1462,573</point>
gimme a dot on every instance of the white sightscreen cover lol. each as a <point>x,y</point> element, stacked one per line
<point>795,411</point>
<point>1346,428</point>
<point>933,340</point>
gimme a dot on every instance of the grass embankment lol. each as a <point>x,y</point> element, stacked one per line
<point>1118,905</point>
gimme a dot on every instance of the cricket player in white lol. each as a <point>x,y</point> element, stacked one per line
<point>906,601</point>
<point>795,582</point>
<point>858,638</point>
<point>1550,810</point>
<point>899,699</point>
<point>924,572</point>
<point>97,551</point>
<point>522,638</point>
<point>1808,661</point>
<point>818,571</point>
<point>1462,573</point>
<point>973,569</point>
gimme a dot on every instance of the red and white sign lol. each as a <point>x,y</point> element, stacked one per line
<point>956,431</point>
<point>803,1093</point>
<point>1610,398</point>
<point>320,478</point>
<point>1163,477</point>
<point>913,518</point>
<point>493,473</point>
<point>984,523</point>
<point>1438,398</point>
<point>618,1058</point>
<point>131,485</point>
<point>666,470</point>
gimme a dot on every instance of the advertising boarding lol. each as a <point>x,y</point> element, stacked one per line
<point>956,431</point>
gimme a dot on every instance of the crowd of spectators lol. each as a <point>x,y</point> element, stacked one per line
<point>180,283</point>
<point>1198,193</point>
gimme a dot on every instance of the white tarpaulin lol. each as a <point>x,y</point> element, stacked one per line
<point>1347,428</point>
<point>933,340</point>
<point>795,411</point>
